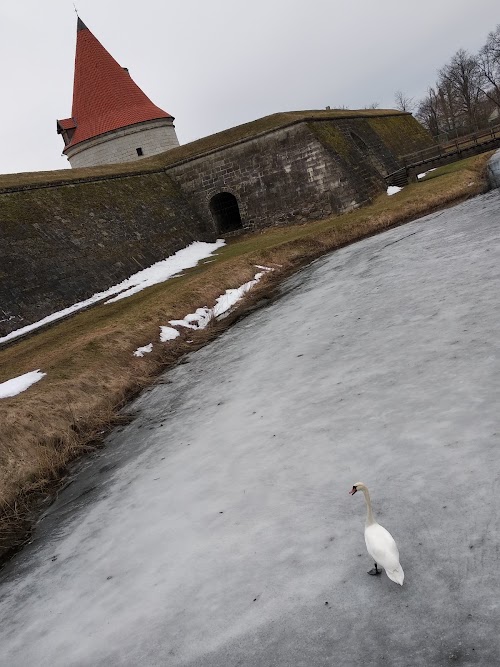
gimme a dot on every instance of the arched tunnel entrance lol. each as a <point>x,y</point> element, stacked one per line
<point>226,212</point>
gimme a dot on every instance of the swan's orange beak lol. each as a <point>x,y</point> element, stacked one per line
<point>353,491</point>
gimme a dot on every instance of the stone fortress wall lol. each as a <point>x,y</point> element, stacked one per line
<point>66,235</point>
<point>61,244</point>
<point>294,174</point>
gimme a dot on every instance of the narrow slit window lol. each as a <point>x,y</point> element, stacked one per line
<point>139,151</point>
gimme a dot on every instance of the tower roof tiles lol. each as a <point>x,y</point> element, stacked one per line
<point>105,98</point>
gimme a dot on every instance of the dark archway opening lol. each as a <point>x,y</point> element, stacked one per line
<point>226,213</point>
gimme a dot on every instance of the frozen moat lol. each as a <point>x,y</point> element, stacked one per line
<point>216,526</point>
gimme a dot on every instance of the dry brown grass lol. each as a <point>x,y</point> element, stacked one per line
<point>91,372</point>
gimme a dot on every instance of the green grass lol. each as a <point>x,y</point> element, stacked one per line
<point>452,168</point>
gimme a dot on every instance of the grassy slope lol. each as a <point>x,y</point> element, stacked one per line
<point>88,359</point>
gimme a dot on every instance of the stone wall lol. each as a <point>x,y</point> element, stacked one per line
<point>306,171</point>
<point>152,137</point>
<point>59,245</point>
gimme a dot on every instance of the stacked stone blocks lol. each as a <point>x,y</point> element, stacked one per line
<point>151,137</point>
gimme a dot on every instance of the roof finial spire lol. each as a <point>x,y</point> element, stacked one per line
<point>80,25</point>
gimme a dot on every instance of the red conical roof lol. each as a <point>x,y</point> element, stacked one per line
<point>104,96</point>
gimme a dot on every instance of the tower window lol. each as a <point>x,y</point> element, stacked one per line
<point>139,151</point>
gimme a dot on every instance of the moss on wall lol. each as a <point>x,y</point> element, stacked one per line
<point>364,157</point>
<point>401,134</point>
<point>62,244</point>
<point>332,137</point>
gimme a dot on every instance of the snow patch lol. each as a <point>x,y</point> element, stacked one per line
<point>226,301</point>
<point>424,173</point>
<point>141,351</point>
<point>393,190</point>
<point>161,271</point>
<point>197,320</point>
<point>167,333</point>
<point>223,304</point>
<point>19,384</point>
<point>202,317</point>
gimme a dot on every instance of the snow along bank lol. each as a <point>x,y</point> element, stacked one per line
<point>203,316</point>
<point>157,273</point>
<point>19,384</point>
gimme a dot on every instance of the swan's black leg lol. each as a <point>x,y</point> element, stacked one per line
<point>375,570</point>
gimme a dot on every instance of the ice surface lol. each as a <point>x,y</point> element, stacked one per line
<point>213,528</point>
<point>157,273</point>
<point>19,384</point>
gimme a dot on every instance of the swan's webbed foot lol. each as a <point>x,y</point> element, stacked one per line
<point>375,570</point>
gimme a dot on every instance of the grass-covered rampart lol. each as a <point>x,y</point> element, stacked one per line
<point>401,134</point>
<point>91,371</point>
<point>194,149</point>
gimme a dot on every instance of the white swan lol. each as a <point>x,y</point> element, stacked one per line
<point>379,542</point>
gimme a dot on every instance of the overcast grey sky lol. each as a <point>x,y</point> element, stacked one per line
<point>214,64</point>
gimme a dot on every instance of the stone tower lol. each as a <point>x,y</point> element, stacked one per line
<point>112,120</point>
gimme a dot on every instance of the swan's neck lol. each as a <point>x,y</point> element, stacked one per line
<point>369,512</point>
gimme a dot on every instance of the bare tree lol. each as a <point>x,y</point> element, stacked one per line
<point>403,102</point>
<point>428,114</point>
<point>448,108</point>
<point>373,105</point>
<point>489,65</point>
<point>466,93</point>
<point>463,76</point>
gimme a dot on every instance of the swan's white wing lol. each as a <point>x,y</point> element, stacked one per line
<point>384,551</point>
